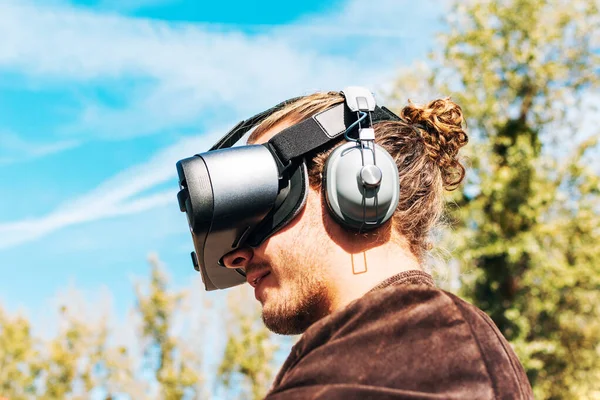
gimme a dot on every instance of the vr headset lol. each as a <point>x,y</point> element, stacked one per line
<point>239,194</point>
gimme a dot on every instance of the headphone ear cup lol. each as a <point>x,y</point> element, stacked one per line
<point>350,202</point>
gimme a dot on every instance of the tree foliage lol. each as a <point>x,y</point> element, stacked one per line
<point>73,358</point>
<point>175,367</point>
<point>164,360</point>
<point>249,350</point>
<point>81,358</point>
<point>525,227</point>
<point>68,366</point>
<point>20,361</point>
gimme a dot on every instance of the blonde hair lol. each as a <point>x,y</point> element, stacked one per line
<point>424,145</point>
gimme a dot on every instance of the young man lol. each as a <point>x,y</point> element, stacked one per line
<point>373,324</point>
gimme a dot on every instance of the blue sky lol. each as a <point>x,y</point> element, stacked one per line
<point>99,99</point>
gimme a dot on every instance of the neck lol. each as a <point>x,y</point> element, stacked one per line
<point>358,272</point>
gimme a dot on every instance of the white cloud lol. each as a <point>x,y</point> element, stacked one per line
<point>114,197</point>
<point>188,68</point>
<point>77,44</point>
<point>13,148</point>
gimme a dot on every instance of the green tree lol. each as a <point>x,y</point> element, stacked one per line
<point>249,350</point>
<point>68,366</point>
<point>526,225</point>
<point>176,368</point>
<point>82,359</point>
<point>20,361</point>
<point>72,360</point>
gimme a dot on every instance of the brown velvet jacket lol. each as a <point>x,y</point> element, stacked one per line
<point>405,339</point>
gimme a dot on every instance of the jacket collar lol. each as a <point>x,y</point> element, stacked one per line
<point>412,277</point>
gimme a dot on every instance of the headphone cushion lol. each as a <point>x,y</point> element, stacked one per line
<point>349,201</point>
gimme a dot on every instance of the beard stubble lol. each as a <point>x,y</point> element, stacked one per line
<point>307,299</point>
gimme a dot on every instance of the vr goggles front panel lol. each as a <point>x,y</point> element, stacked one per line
<point>225,196</point>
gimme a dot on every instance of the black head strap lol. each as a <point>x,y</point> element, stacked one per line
<point>384,114</point>
<point>319,130</point>
<point>314,131</point>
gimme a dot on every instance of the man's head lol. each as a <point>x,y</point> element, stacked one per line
<point>312,263</point>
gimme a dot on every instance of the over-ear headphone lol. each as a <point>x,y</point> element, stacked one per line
<point>360,177</point>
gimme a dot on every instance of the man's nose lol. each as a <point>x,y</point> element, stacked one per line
<point>239,258</point>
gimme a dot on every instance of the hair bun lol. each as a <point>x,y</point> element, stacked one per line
<point>440,125</point>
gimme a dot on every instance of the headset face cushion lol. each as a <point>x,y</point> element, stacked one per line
<point>291,200</point>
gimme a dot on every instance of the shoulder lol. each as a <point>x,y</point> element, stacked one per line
<point>407,337</point>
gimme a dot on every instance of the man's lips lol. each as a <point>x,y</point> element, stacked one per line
<point>254,277</point>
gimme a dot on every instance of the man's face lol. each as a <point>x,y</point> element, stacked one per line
<point>294,292</point>
<point>289,271</point>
